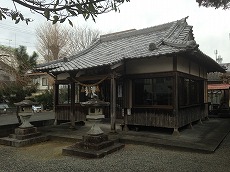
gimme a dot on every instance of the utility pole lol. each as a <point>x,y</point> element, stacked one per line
<point>216,52</point>
<point>219,59</point>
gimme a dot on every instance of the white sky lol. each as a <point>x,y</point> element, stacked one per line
<point>211,27</point>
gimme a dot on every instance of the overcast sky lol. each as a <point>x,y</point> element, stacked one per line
<point>211,27</point>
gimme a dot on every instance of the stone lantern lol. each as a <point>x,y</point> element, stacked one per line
<point>95,144</point>
<point>24,112</point>
<point>95,114</point>
<point>26,133</point>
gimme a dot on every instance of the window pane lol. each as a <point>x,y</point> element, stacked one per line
<point>162,91</point>
<point>190,91</point>
<point>143,91</point>
<point>35,81</point>
<point>44,81</point>
<point>64,94</point>
<point>154,91</point>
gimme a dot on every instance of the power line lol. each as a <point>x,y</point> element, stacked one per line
<point>17,30</point>
<point>13,28</point>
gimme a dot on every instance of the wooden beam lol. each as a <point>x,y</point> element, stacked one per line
<point>88,78</point>
<point>117,65</point>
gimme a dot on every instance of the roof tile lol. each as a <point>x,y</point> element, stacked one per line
<point>109,49</point>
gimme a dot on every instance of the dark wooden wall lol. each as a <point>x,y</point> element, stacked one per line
<point>190,114</point>
<point>152,117</point>
<point>62,112</point>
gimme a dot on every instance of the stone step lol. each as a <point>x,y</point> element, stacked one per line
<point>19,143</point>
<point>23,137</point>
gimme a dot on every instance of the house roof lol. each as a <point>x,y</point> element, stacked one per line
<point>36,74</point>
<point>218,86</point>
<point>166,39</point>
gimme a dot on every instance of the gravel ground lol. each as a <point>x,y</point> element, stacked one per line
<point>133,158</point>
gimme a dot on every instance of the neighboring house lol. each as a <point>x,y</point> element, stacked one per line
<point>219,90</point>
<point>226,66</point>
<point>41,80</point>
<point>155,76</point>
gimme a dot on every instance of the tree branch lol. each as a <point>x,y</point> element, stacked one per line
<point>55,9</point>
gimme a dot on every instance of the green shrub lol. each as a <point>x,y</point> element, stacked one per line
<point>46,99</point>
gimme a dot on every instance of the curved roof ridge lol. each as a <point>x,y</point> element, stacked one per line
<point>177,24</point>
<point>134,32</point>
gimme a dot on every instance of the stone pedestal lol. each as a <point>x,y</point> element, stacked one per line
<point>95,144</point>
<point>93,147</point>
<point>23,137</point>
<point>26,134</point>
<point>95,129</point>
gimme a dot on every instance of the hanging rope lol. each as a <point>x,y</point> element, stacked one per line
<point>90,85</point>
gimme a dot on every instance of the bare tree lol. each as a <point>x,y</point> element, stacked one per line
<point>52,41</point>
<point>80,38</point>
<point>8,65</point>
<point>7,56</point>
<point>56,41</point>
<point>58,10</point>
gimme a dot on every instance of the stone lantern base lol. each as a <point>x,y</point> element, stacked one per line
<point>23,137</point>
<point>93,146</point>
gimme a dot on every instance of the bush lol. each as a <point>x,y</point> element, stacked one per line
<point>46,99</point>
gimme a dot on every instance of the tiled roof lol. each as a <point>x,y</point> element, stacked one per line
<point>165,39</point>
<point>218,86</point>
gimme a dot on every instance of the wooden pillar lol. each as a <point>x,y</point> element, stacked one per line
<point>205,98</point>
<point>113,103</point>
<point>55,101</point>
<point>72,104</point>
<point>176,98</point>
<point>126,100</point>
<point>176,104</point>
